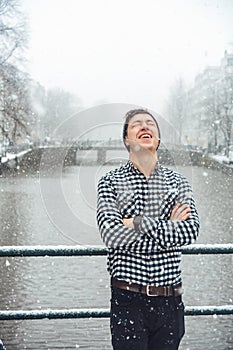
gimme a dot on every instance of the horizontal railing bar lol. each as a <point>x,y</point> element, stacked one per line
<point>208,249</point>
<point>77,250</point>
<point>56,250</point>
<point>103,313</point>
<point>208,310</point>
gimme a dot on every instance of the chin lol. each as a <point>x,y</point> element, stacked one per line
<point>148,147</point>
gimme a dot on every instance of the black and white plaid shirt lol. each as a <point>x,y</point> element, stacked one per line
<point>152,255</point>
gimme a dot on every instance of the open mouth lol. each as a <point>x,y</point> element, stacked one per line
<point>145,136</point>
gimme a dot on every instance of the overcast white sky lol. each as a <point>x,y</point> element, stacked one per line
<point>126,51</point>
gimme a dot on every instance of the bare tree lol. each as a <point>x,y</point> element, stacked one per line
<point>59,106</point>
<point>14,102</point>
<point>13,33</point>
<point>225,105</point>
<point>176,106</point>
<point>209,115</point>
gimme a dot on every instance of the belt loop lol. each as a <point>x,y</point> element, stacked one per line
<point>140,288</point>
<point>166,291</point>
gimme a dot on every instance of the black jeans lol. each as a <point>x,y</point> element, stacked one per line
<point>140,322</point>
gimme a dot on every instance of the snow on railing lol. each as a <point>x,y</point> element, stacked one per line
<point>78,250</point>
<point>37,251</point>
<point>103,313</point>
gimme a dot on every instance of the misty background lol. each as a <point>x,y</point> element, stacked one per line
<point>172,57</point>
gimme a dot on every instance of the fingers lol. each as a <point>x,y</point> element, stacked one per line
<point>180,212</point>
<point>128,222</point>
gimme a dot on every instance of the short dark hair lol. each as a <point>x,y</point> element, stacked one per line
<point>130,114</point>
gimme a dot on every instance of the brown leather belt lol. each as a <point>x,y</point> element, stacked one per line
<point>152,291</point>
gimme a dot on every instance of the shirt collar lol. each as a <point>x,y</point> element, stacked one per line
<point>135,170</point>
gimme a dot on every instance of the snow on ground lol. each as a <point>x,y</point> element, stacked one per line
<point>221,159</point>
<point>10,156</point>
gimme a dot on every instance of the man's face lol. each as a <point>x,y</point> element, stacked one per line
<point>142,131</point>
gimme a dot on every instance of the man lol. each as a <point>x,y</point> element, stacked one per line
<point>145,213</point>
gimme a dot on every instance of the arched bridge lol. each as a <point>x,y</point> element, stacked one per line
<point>73,155</point>
<point>62,156</point>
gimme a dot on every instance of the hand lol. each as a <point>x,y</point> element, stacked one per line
<point>180,212</point>
<point>128,223</point>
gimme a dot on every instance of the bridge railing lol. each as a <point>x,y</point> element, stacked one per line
<point>66,251</point>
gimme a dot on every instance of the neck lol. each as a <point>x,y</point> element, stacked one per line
<point>144,161</point>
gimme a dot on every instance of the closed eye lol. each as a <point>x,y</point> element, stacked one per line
<point>150,123</point>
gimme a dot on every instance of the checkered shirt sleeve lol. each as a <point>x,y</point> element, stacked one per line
<point>109,218</point>
<point>174,233</point>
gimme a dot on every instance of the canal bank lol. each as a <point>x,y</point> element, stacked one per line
<point>32,161</point>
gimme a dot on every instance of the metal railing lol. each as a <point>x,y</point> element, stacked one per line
<point>46,251</point>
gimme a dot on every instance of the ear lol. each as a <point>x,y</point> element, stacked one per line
<point>126,141</point>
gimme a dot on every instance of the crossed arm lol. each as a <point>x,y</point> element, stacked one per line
<point>180,228</point>
<point>179,212</point>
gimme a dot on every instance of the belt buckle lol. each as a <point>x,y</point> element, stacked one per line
<point>166,291</point>
<point>148,291</point>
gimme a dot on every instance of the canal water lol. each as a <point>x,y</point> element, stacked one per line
<point>55,210</point>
